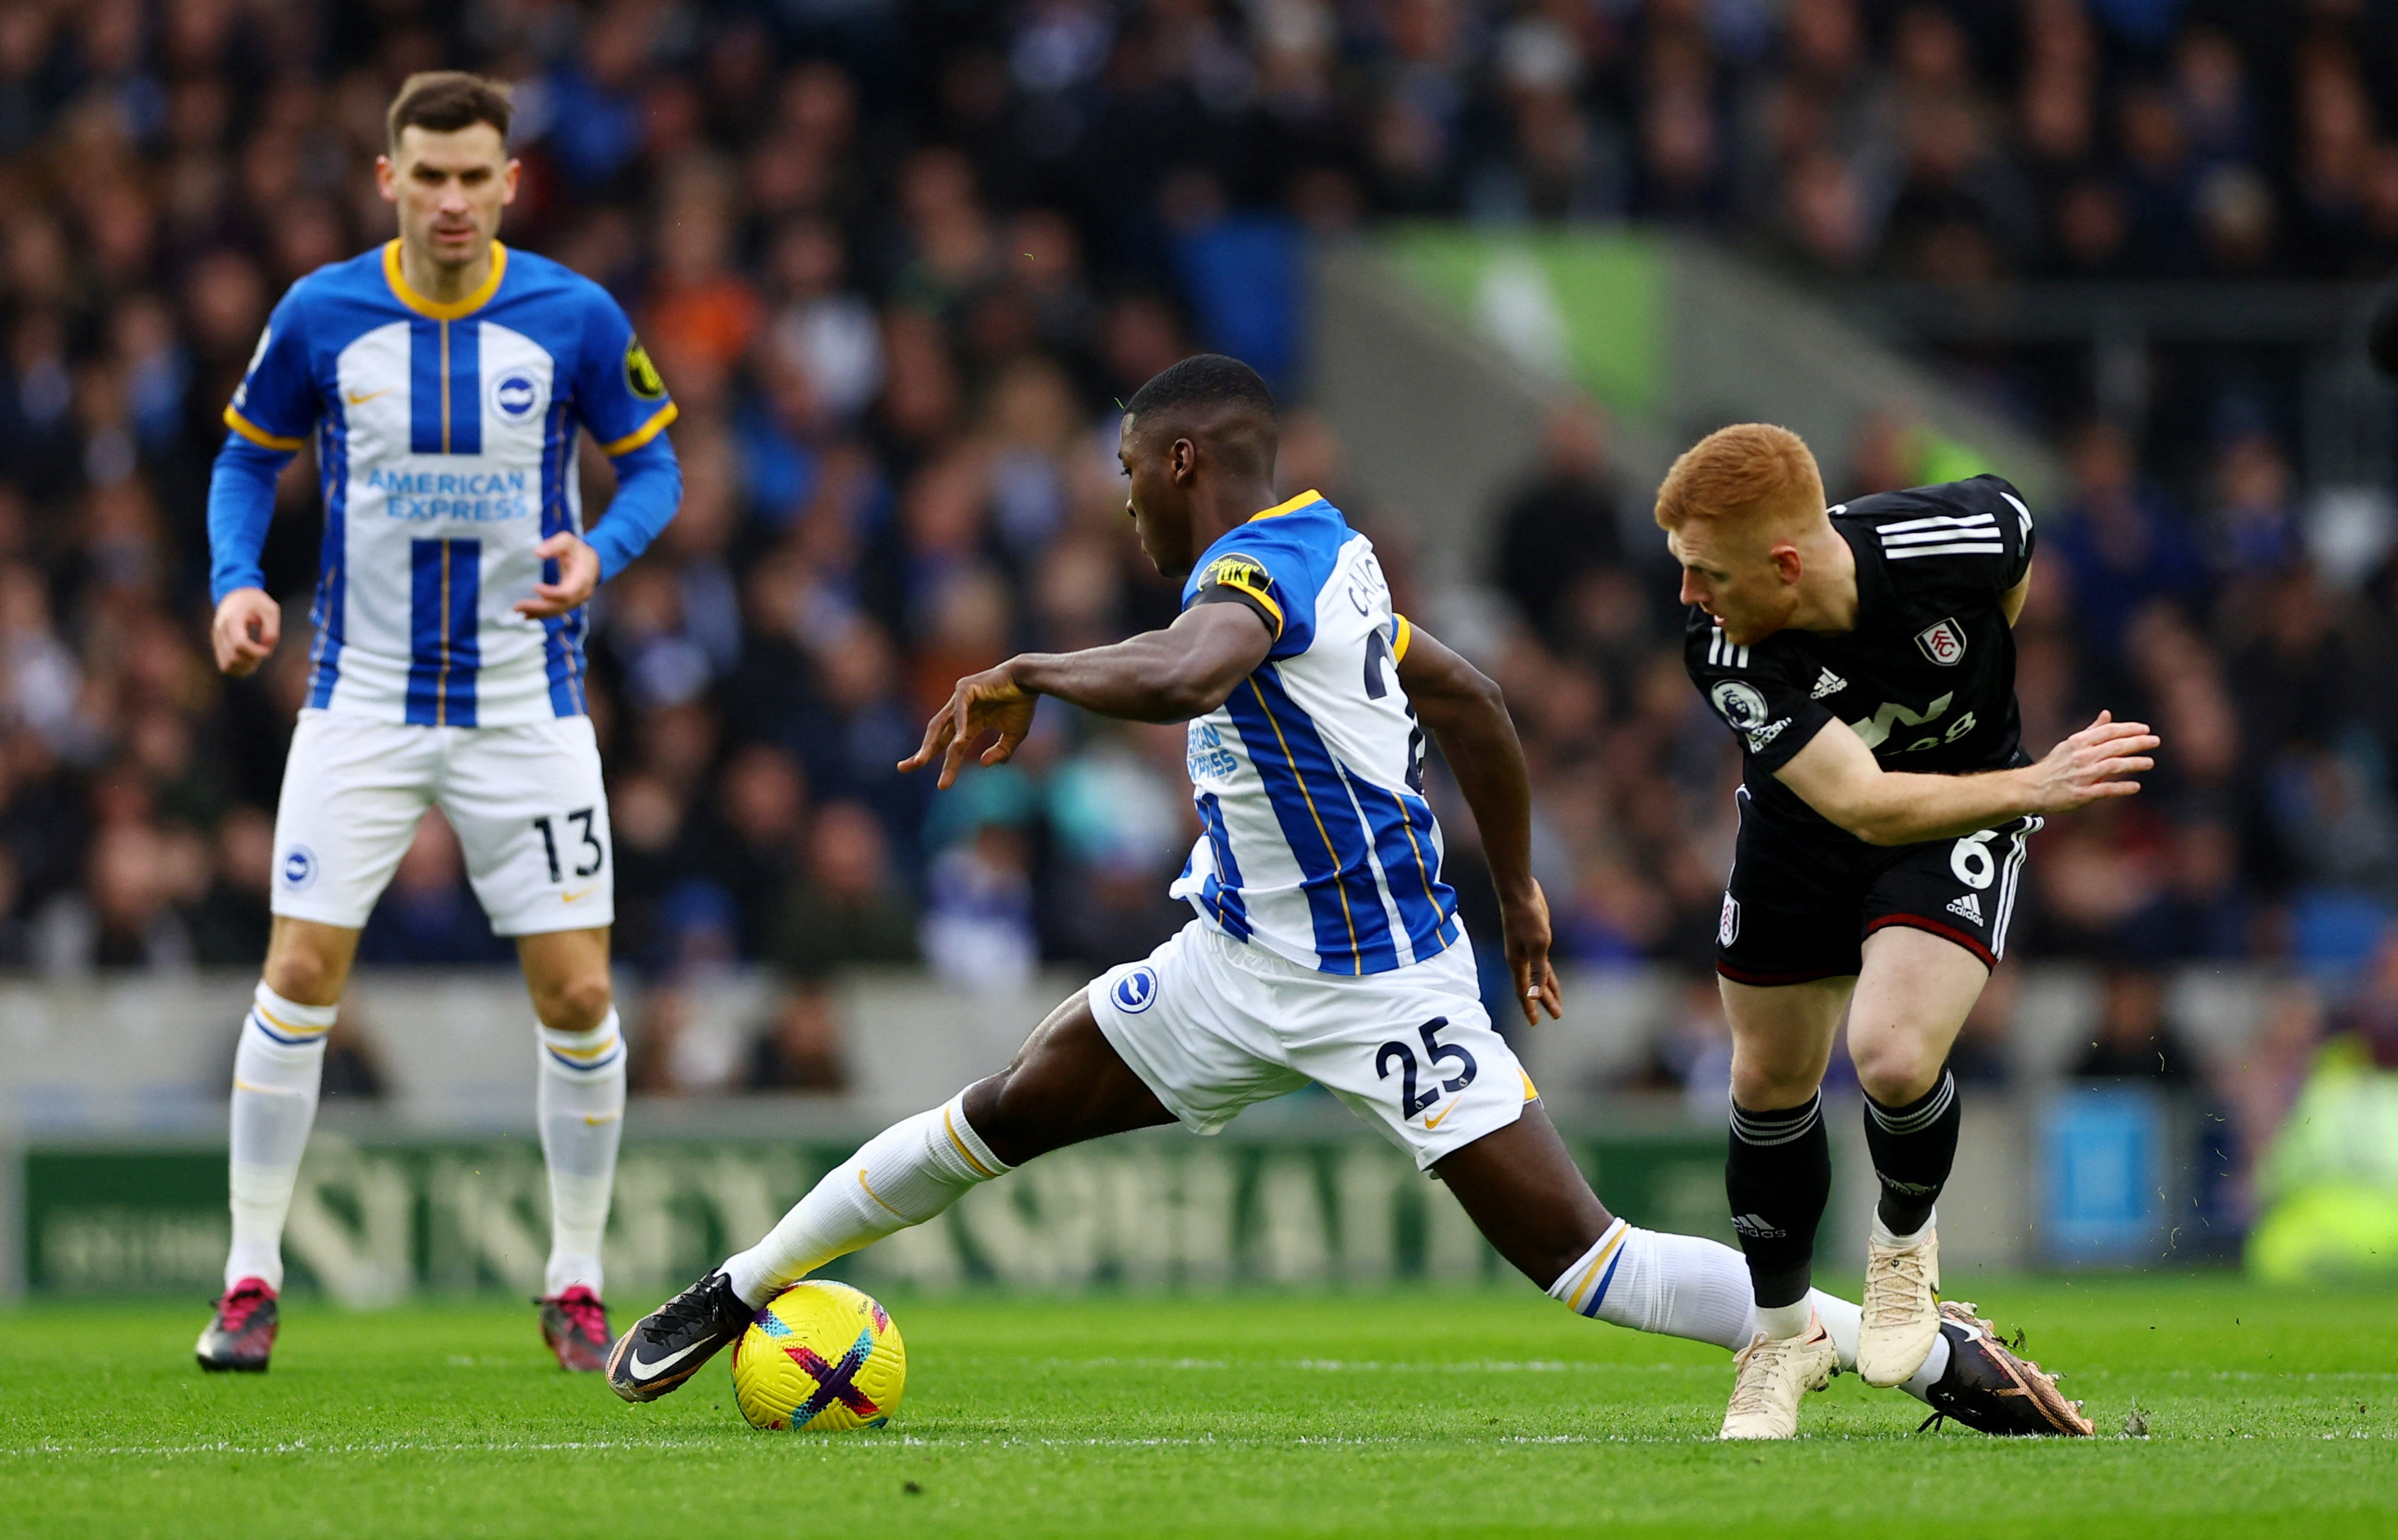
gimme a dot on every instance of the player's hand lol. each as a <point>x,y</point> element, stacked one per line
<point>1523,930</point>
<point>248,625</point>
<point>2096,761</point>
<point>578,576</point>
<point>988,702</point>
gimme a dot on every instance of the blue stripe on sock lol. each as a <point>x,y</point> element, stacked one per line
<point>1606,1277</point>
<point>260,1023</point>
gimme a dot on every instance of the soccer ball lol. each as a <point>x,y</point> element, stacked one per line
<point>820,1357</point>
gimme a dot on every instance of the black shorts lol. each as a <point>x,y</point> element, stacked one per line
<point>1799,908</point>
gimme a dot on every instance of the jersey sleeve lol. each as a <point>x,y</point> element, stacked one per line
<point>1753,694</point>
<point>618,393</point>
<point>276,404</point>
<point>1256,578</point>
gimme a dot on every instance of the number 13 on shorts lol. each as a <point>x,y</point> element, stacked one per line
<point>586,854</point>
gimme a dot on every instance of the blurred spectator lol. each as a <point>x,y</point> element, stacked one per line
<point>1563,524</point>
<point>846,908</point>
<point>2134,1038</point>
<point>801,1048</point>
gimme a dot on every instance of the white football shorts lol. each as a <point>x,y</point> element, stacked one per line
<point>1213,1025</point>
<point>526,801</point>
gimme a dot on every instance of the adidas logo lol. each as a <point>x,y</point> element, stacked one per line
<point>1969,907</point>
<point>1757,1226</point>
<point>1827,683</point>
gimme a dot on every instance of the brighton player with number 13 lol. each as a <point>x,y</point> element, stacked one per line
<point>1864,657</point>
<point>444,379</point>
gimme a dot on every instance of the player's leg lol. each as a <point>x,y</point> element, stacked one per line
<point>1522,1188</point>
<point>1912,997</point>
<point>1523,1191</point>
<point>1778,1177</point>
<point>531,813</point>
<point>1066,1084</point>
<point>353,793</point>
<point>1934,919</point>
<point>581,1109</point>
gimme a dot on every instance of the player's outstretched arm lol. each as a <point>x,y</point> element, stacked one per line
<point>1183,672</point>
<point>1463,710</point>
<point>1838,776</point>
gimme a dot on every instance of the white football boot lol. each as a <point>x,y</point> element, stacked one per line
<point>1902,1312</point>
<point>1772,1374</point>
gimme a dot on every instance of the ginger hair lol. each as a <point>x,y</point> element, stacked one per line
<point>1753,475</point>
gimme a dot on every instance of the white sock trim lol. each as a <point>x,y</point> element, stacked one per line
<point>1884,1236</point>
<point>588,1051</point>
<point>1785,1320</point>
<point>288,1021</point>
<point>1583,1287</point>
<point>968,1142</point>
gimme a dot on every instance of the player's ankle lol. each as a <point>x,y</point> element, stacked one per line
<point>1904,1227</point>
<point>1785,1320</point>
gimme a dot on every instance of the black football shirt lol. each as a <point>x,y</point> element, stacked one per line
<point>1928,676</point>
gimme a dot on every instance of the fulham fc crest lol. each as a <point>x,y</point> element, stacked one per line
<point>1944,643</point>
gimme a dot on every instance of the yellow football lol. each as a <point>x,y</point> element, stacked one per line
<point>821,1356</point>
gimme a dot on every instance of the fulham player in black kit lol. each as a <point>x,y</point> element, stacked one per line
<point>1865,657</point>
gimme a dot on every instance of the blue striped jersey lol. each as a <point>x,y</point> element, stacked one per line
<point>445,438</point>
<point>1316,842</point>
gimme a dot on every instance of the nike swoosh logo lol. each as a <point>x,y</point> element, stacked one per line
<point>583,892</point>
<point>357,399</point>
<point>645,1371</point>
<point>1432,1123</point>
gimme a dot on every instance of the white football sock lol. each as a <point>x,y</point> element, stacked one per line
<point>1841,1321</point>
<point>1682,1286</point>
<point>582,1101</point>
<point>910,1172</point>
<point>276,1070</point>
<point>1884,1236</point>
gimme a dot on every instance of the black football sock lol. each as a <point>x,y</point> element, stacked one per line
<point>1913,1148</point>
<point>1779,1177</point>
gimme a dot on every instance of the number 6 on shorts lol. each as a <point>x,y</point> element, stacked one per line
<point>1972,860</point>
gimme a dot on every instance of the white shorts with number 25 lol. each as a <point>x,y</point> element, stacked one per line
<point>526,802</point>
<point>1213,1025</point>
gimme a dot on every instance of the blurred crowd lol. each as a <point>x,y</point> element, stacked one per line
<point>898,261</point>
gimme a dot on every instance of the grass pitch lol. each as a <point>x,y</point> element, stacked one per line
<point>1405,1413</point>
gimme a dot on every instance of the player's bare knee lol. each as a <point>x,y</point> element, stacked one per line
<point>302,974</point>
<point>1764,1086</point>
<point>576,1003</point>
<point>1896,1074</point>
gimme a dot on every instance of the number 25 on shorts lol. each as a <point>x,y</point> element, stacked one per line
<point>589,853</point>
<point>1411,1102</point>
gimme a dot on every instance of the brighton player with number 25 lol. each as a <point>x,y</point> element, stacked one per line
<point>1864,657</point>
<point>444,381</point>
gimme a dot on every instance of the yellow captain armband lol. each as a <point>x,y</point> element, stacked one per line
<point>1403,631</point>
<point>1243,579</point>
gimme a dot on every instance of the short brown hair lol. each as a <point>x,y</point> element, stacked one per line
<point>1738,471</point>
<point>444,101</point>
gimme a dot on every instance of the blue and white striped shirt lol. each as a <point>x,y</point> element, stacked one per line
<point>445,438</point>
<point>1316,841</point>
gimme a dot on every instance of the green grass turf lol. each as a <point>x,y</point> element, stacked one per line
<point>1431,1414</point>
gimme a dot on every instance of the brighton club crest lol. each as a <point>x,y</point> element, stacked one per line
<point>1944,643</point>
